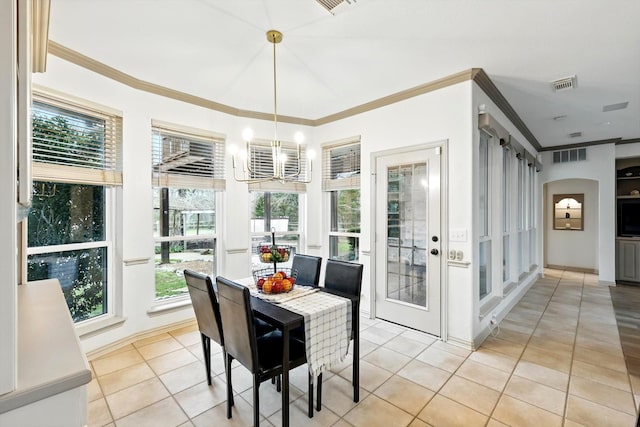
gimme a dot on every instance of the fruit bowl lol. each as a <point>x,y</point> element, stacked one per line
<point>271,253</point>
<point>278,283</point>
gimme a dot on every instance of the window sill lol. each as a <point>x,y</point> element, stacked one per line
<point>487,306</point>
<point>166,306</point>
<point>97,326</point>
<point>508,288</point>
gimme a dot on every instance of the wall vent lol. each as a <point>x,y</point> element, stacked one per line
<point>572,155</point>
<point>575,134</point>
<point>614,107</point>
<point>566,83</point>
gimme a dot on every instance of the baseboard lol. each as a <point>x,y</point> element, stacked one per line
<point>467,345</point>
<point>99,352</point>
<point>569,268</point>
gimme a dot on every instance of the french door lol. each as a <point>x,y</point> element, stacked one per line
<point>408,239</point>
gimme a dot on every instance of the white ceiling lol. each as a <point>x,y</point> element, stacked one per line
<point>217,49</point>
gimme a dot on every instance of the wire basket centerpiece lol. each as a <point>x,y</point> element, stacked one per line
<point>268,282</point>
<point>272,253</point>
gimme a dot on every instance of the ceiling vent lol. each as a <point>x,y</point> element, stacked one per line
<point>567,83</point>
<point>575,134</point>
<point>614,107</point>
<point>331,5</point>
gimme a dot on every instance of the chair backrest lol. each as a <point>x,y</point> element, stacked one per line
<point>343,276</point>
<point>307,269</point>
<point>238,322</point>
<point>205,305</point>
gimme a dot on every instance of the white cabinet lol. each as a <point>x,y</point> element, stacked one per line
<point>628,260</point>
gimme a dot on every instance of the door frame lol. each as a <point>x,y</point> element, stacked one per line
<point>444,225</point>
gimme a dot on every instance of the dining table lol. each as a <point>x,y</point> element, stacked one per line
<point>287,312</point>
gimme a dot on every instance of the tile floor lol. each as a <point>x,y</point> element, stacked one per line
<point>556,360</point>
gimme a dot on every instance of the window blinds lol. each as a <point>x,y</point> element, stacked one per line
<point>75,144</point>
<point>261,162</point>
<point>341,165</point>
<point>187,158</point>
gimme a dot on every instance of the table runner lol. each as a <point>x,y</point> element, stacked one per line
<point>327,322</point>
<point>327,328</point>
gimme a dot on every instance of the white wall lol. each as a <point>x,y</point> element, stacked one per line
<point>600,167</point>
<point>573,248</point>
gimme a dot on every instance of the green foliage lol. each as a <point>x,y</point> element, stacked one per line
<point>68,213</point>
<point>169,284</point>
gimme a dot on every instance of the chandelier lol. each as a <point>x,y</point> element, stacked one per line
<point>284,168</point>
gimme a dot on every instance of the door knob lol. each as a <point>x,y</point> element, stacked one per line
<point>434,252</point>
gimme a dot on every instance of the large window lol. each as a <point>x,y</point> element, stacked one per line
<point>506,213</point>
<point>484,193</point>
<point>188,170</point>
<point>76,165</point>
<point>341,181</point>
<point>277,212</point>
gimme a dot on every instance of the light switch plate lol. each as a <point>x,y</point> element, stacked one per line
<point>458,235</point>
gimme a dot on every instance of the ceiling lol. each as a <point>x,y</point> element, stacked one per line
<point>217,49</point>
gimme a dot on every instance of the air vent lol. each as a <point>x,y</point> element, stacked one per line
<point>575,134</point>
<point>567,83</point>
<point>614,107</point>
<point>331,5</point>
<point>573,155</point>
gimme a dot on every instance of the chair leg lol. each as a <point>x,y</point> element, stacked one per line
<point>227,369</point>
<point>310,384</point>
<point>319,402</point>
<point>279,384</point>
<point>356,358</point>
<point>256,401</point>
<point>229,386</point>
<point>206,350</point>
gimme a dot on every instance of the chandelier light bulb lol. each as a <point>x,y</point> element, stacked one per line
<point>311,154</point>
<point>299,137</point>
<point>283,159</point>
<point>243,155</point>
<point>233,149</point>
<point>247,134</point>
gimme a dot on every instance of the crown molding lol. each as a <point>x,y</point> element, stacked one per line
<point>475,74</point>
<point>585,144</point>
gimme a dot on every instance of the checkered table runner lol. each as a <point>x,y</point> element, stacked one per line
<point>327,322</point>
<point>327,328</point>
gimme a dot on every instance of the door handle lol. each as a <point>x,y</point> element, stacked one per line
<point>434,252</point>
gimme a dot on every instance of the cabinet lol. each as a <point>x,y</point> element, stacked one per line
<point>628,220</point>
<point>628,260</point>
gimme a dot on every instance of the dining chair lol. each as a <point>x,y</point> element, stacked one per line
<point>262,355</point>
<point>307,269</point>
<point>345,278</point>
<point>207,310</point>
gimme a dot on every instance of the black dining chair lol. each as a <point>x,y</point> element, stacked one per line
<point>307,269</point>
<point>261,355</point>
<point>207,310</point>
<point>345,279</point>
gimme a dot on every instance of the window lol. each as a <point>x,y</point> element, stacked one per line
<point>522,214</point>
<point>188,171</point>
<point>341,181</point>
<point>532,214</point>
<point>506,213</point>
<point>278,212</point>
<point>484,192</point>
<point>76,166</point>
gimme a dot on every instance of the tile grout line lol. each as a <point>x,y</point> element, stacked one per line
<point>502,393</point>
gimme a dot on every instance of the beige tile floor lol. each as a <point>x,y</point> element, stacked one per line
<point>556,360</point>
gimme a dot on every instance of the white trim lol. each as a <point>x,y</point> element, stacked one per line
<point>62,99</point>
<point>39,250</point>
<point>136,261</point>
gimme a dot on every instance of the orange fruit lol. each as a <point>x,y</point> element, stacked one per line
<point>278,276</point>
<point>287,285</point>
<point>267,286</point>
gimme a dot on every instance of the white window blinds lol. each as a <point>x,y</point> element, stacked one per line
<point>261,163</point>
<point>75,144</point>
<point>341,165</point>
<point>187,158</point>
